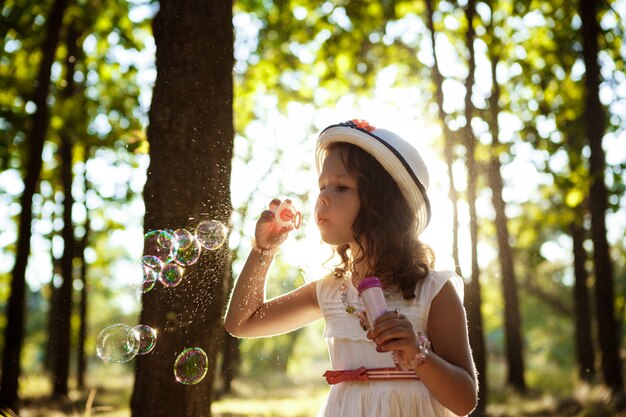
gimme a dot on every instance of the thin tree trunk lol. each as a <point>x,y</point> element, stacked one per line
<point>49,360</point>
<point>81,367</point>
<point>595,129</point>
<point>449,138</point>
<point>14,331</point>
<point>585,353</point>
<point>512,319</point>
<point>65,299</point>
<point>473,301</point>
<point>191,138</point>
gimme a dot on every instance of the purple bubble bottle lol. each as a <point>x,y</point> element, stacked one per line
<point>371,294</point>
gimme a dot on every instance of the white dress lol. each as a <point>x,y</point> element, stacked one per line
<point>349,349</point>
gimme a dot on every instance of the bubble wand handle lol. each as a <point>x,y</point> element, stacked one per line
<point>371,293</point>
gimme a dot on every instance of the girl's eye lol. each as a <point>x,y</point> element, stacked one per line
<point>341,188</point>
<point>322,187</point>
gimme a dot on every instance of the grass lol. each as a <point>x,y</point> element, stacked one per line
<point>275,395</point>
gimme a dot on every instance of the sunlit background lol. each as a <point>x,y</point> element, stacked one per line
<point>277,149</point>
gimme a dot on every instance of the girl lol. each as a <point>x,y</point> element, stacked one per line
<point>415,360</point>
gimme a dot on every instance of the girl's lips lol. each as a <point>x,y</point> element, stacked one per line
<point>321,220</point>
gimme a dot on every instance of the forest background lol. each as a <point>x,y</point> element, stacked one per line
<point>118,118</point>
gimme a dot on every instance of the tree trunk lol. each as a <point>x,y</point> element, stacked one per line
<point>49,359</point>
<point>64,294</point>
<point>191,138</point>
<point>230,351</point>
<point>65,299</point>
<point>512,319</point>
<point>14,331</point>
<point>81,367</point>
<point>595,129</point>
<point>230,363</point>
<point>585,354</point>
<point>473,301</point>
<point>449,139</point>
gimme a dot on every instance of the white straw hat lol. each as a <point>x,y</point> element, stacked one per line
<point>401,160</point>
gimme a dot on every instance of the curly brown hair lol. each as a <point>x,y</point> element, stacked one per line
<point>386,222</point>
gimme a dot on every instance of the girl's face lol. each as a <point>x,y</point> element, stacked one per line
<point>338,202</point>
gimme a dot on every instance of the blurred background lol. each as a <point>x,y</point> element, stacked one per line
<point>120,118</point>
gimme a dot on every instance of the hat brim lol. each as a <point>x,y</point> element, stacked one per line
<point>388,149</point>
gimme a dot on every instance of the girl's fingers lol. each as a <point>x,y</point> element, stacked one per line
<point>387,321</point>
<point>273,204</point>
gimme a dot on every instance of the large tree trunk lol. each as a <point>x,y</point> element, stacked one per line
<point>595,129</point>
<point>14,331</point>
<point>191,138</point>
<point>65,299</point>
<point>512,319</point>
<point>473,301</point>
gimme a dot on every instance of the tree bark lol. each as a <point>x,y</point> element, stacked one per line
<point>449,138</point>
<point>81,359</point>
<point>595,128</point>
<point>191,138</point>
<point>473,300</point>
<point>65,299</point>
<point>14,331</point>
<point>585,353</point>
<point>512,319</point>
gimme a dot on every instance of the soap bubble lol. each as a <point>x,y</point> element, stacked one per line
<point>172,274</point>
<point>161,244</point>
<point>166,238</point>
<point>191,366</point>
<point>117,343</point>
<point>152,262</point>
<point>190,254</point>
<point>211,234</point>
<point>183,238</point>
<point>147,339</point>
<point>150,277</point>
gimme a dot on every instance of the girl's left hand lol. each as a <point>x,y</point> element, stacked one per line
<point>394,332</point>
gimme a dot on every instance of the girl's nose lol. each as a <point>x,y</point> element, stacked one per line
<point>322,198</point>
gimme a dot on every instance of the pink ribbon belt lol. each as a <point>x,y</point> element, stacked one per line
<point>363,374</point>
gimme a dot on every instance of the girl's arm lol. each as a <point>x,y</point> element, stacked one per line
<point>249,313</point>
<point>449,371</point>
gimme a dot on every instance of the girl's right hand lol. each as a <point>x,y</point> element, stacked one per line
<point>268,233</point>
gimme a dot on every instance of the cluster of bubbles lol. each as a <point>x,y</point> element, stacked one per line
<point>166,254</point>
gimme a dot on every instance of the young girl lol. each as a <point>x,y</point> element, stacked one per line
<point>415,360</point>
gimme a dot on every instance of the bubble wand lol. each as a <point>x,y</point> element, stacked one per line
<point>286,215</point>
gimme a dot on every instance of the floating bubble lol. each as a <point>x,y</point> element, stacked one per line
<point>211,234</point>
<point>160,244</point>
<point>183,238</point>
<point>166,238</point>
<point>189,255</point>
<point>152,262</point>
<point>150,277</point>
<point>117,343</point>
<point>191,366</point>
<point>147,339</point>
<point>171,275</point>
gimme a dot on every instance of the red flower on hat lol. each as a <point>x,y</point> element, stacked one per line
<point>363,124</point>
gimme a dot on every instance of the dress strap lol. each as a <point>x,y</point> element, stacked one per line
<point>372,374</point>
